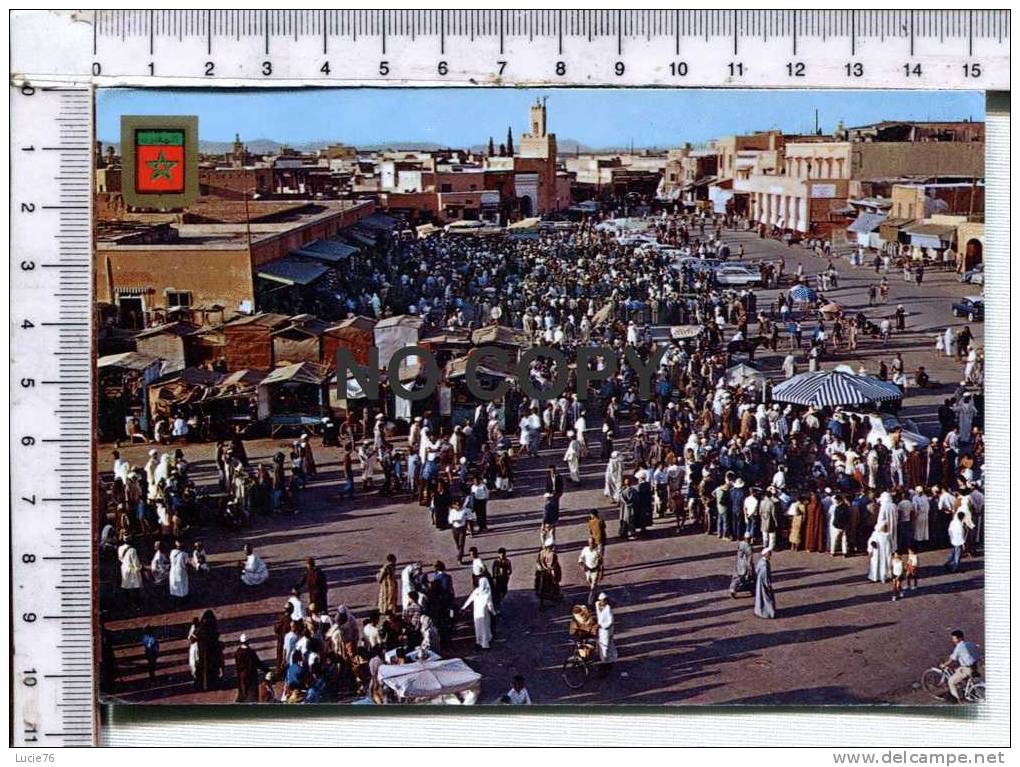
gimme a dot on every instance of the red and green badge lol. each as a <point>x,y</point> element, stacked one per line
<point>159,161</point>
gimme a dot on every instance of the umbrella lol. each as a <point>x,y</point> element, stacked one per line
<point>802,294</point>
<point>831,308</point>
<point>430,679</point>
<point>832,388</point>
<point>680,332</point>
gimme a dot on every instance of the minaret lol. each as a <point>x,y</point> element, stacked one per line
<point>237,154</point>
<point>538,118</point>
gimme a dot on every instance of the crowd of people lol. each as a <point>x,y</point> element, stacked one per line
<point>682,445</point>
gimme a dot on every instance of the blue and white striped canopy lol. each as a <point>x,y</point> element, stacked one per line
<point>830,388</point>
<point>802,294</point>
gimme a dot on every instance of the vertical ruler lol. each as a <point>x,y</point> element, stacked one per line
<point>52,540</point>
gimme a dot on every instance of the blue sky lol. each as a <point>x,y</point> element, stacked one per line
<point>462,117</point>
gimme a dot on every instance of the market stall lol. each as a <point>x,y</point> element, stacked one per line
<point>293,397</point>
<point>443,682</point>
<point>122,385</point>
<point>832,388</point>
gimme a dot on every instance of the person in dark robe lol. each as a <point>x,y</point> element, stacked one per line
<point>814,529</point>
<point>441,501</point>
<point>249,669</point>
<point>314,579</point>
<point>743,574</point>
<point>643,504</point>
<point>280,630</point>
<point>209,664</point>
<point>238,451</point>
<point>764,596</point>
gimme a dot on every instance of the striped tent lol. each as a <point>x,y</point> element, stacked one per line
<point>831,388</point>
<point>802,294</point>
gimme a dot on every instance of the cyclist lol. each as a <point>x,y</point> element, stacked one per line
<point>965,656</point>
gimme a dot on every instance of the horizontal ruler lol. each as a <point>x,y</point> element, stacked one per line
<point>952,49</point>
<point>52,538</point>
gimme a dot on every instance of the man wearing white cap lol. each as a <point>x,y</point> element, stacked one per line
<point>249,668</point>
<point>607,631</point>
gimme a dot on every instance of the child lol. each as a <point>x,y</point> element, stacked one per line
<point>940,346</point>
<point>910,569</point>
<point>897,576</point>
<point>517,695</point>
<point>150,647</point>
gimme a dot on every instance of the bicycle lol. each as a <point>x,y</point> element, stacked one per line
<point>577,666</point>
<point>935,682</point>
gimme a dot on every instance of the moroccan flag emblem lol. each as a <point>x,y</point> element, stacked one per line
<point>159,161</point>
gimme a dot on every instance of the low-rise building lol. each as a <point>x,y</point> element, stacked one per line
<point>147,268</point>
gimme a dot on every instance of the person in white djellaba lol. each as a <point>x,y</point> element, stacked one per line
<point>159,568</point>
<point>481,599</point>
<point>254,571</point>
<point>573,458</point>
<point>179,571</point>
<point>130,572</point>
<point>614,477</point>
<point>607,628</point>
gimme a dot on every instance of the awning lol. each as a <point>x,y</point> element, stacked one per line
<point>302,372</point>
<point>380,222</point>
<point>890,228</point>
<point>133,291</point>
<point>291,272</point>
<point>832,388</point>
<point>457,368</point>
<point>431,679</point>
<point>361,237</point>
<point>329,251</point>
<point>136,361</point>
<point>866,222</point>
<point>930,235</point>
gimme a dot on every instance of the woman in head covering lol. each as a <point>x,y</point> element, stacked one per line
<point>764,596</point>
<point>209,660</point>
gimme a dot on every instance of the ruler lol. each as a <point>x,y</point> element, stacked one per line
<point>58,57</point>
<point>958,49</point>
<point>51,416</point>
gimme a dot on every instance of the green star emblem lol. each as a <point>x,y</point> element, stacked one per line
<point>161,167</point>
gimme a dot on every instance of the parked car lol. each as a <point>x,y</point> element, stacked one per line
<point>737,275</point>
<point>698,265</point>
<point>971,307</point>
<point>975,276</point>
<point>637,239</point>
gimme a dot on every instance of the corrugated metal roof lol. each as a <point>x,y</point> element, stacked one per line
<point>866,222</point>
<point>931,230</point>
<point>292,272</point>
<point>128,361</point>
<point>330,251</point>
<point>170,328</point>
<point>301,372</point>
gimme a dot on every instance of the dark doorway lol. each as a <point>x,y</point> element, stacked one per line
<point>132,312</point>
